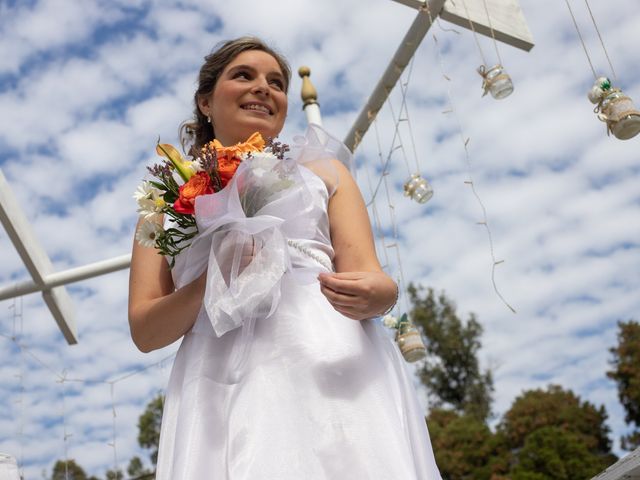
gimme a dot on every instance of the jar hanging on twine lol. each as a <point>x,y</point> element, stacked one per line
<point>408,337</point>
<point>418,189</point>
<point>615,109</point>
<point>496,81</point>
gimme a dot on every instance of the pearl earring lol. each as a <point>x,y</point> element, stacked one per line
<point>209,118</point>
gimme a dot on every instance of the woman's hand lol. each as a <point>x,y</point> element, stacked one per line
<point>359,295</point>
<point>227,251</point>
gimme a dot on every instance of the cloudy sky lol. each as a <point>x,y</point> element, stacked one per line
<point>86,88</point>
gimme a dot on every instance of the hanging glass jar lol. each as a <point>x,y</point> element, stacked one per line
<point>496,81</point>
<point>418,189</point>
<point>615,109</point>
<point>408,337</point>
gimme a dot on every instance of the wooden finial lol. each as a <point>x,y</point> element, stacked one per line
<point>308,93</point>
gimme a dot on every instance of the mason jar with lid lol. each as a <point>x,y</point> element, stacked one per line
<point>620,114</point>
<point>496,81</point>
<point>418,189</point>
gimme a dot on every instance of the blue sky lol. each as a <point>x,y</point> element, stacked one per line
<point>86,88</point>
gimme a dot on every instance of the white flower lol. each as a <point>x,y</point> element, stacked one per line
<point>147,233</point>
<point>261,163</point>
<point>194,166</point>
<point>150,201</point>
<point>390,321</point>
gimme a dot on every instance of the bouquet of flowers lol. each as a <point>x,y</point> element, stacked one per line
<point>176,183</point>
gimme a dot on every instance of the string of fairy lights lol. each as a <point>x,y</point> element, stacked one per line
<point>612,107</point>
<point>63,379</point>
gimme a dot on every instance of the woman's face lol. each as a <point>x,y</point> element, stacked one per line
<point>248,97</point>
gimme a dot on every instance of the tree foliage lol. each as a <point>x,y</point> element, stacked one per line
<point>546,434</point>
<point>452,372</point>
<point>556,407</point>
<point>626,374</point>
<point>69,470</point>
<point>114,475</point>
<point>465,447</point>
<point>149,426</point>
<point>554,453</point>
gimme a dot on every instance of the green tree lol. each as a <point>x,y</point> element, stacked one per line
<point>149,426</point>
<point>137,470</point>
<point>541,422</point>
<point>626,374</point>
<point>556,407</point>
<point>465,447</point>
<point>552,453</point>
<point>451,372</point>
<point>69,470</point>
<point>114,475</point>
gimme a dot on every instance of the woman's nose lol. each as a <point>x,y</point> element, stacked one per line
<point>261,86</point>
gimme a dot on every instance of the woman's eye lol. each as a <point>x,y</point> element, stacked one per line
<point>241,74</point>
<point>279,84</point>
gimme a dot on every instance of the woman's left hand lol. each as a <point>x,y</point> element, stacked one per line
<point>359,295</point>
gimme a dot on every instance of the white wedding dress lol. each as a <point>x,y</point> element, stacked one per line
<point>272,383</point>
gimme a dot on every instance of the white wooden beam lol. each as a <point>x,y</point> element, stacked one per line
<point>400,60</point>
<point>67,276</point>
<point>507,19</point>
<point>627,468</point>
<point>35,260</point>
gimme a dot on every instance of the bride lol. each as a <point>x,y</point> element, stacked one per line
<point>283,371</point>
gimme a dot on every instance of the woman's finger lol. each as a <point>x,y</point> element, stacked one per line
<point>337,298</point>
<point>345,286</point>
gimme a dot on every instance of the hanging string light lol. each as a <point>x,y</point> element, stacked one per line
<point>9,463</point>
<point>495,79</point>
<point>612,106</point>
<point>465,141</point>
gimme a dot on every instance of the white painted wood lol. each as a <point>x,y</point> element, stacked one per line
<point>67,276</point>
<point>507,19</point>
<point>35,259</point>
<point>627,468</point>
<point>400,60</point>
<point>312,111</point>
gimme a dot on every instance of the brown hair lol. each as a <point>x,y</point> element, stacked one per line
<point>198,131</point>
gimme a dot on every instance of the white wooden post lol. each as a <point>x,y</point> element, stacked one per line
<point>36,260</point>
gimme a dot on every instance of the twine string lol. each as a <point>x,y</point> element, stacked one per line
<point>584,46</point>
<point>606,53</point>
<point>493,35</point>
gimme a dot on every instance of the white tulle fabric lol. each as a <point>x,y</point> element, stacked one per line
<point>272,383</point>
